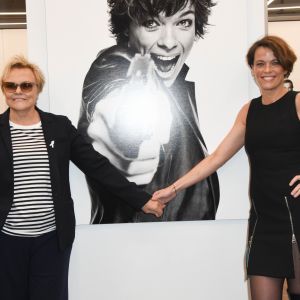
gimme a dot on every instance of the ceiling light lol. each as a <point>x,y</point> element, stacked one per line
<point>12,13</point>
<point>284,7</point>
<point>11,24</point>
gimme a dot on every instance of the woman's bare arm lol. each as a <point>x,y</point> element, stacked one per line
<point>230,145</point>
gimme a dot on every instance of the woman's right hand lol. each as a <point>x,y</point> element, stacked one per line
<point>296,190</point>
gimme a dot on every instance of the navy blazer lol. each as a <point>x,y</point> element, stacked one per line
<point>66,145</point>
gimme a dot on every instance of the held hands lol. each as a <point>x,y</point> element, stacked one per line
<point>159,200</point>
<point>296,190</point>
<point>165,195</point>
<point>154,207</point>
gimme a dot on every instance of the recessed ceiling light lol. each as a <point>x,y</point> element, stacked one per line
<point>10,24</point>
<point>284,7</point>
<point>12,13</point>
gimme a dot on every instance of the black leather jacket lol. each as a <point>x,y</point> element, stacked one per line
<point>184,150</point>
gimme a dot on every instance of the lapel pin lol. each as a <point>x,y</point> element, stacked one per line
<point>52,144</point>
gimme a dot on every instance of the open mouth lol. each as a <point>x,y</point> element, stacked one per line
<point>165,64</point>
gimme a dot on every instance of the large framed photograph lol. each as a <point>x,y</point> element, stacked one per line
<point>154,86</point>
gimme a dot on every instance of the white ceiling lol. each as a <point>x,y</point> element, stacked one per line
<point>13,12</point>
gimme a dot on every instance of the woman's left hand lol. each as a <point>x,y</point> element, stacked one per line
<point>296,190</point>
<point>165,195</point>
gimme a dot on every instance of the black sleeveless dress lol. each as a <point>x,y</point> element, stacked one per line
<point>272,142</point>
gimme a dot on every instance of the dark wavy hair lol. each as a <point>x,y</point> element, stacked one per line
<point>282,51</point>
<point>123,12</point>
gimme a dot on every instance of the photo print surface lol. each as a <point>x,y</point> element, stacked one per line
<point>139,110</point>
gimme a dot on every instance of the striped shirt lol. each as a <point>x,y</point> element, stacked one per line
<point>32,211</point>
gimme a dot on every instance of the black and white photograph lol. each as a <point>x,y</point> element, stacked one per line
<point>140,111</point>
<point>153,89</point>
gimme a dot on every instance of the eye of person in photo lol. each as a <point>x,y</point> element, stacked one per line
<point>139,110</point>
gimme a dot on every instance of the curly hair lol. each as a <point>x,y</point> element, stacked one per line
<point>123,12</point>
<point>282,51</point>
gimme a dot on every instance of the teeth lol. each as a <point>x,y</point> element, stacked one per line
<point>166,57</point>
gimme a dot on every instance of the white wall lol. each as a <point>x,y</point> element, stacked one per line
<point>172,261</point>
<point>12,42</point>
<point>37,44</point>
<point>290,32</point>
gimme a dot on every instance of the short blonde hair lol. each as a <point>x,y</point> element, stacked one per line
<point>20,62</point>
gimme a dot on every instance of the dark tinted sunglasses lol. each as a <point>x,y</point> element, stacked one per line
<point>11,87</point>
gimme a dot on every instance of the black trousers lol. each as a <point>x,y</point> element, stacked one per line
<point>33,268</point>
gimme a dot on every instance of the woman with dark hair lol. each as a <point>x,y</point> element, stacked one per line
<point>269,128</point>
<point>140,112</point>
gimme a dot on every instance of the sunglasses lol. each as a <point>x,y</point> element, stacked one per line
<point>11,87</point>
